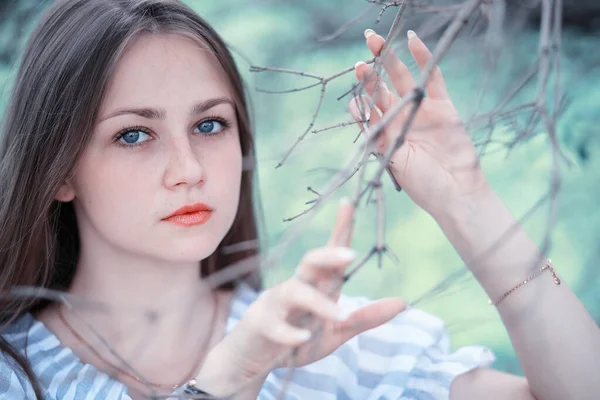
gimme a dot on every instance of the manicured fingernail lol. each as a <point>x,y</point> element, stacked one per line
<point>411,34</point>
<point>369,33</point>
<point>346,253</point>
<point>358,64</point>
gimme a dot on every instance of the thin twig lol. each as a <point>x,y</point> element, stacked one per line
<point>310,125</point>
<point>340,125</point>
<point>347,25</point>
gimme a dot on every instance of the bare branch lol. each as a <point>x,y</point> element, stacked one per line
<point>300,89</point>
<point>312,123</point>
<point>285,71</point>
<point>340,125</point>
<point>323,81</point>
<point>347,25</point>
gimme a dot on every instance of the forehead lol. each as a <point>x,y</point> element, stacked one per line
<point>161,69</point>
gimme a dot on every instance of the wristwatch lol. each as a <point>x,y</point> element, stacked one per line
<point>192,389</point>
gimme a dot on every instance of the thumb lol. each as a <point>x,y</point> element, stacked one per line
<point>360,110</point>
<point>371,316</point>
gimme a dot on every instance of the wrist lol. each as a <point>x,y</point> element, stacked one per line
<point>485,234</point>
<point>221,376</point>
<point>467,210</point>
<point>491,242</point>
<point>459,197</point>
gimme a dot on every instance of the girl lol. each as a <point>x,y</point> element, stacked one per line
<point>125,183</point>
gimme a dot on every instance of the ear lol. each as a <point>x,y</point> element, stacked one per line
<point>65,192</point>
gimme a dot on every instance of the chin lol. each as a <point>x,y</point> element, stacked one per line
<point>188,251</point>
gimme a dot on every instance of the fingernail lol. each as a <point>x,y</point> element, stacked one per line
<point>358,64</point>
<point>411,34</point>
<point>346,253</point>
<point>344,201</point>
<point>369,33</point>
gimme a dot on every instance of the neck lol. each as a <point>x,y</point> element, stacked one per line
<point>140,284</point>
<point>157,316</point>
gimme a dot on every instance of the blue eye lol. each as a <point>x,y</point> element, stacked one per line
<point>133,137</point>
<point>211,127</point>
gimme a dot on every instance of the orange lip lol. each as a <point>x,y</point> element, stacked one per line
<point>195,214</point>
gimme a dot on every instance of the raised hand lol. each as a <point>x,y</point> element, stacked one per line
<point>302,313</point>
<point>437,165</point>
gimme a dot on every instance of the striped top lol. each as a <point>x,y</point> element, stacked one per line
<point>409,358</point>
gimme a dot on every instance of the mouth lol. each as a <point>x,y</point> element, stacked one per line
<point>195,214</point>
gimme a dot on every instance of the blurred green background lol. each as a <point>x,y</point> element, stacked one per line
<point>283,34</point>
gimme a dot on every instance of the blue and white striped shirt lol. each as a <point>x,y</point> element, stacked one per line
<point>409,358</point>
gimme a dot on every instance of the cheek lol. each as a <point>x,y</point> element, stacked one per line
<point>223,157</point>
<point>233,163</point>
<point>226,173</point>
<point>237,163</point>
<point>109,189</point>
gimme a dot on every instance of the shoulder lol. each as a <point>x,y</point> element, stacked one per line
<point>490,384</point>
<point>58,371</point>
<point>14,383</point>
<point>18,333</point>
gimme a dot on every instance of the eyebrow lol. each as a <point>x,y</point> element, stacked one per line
<point>160,113</point>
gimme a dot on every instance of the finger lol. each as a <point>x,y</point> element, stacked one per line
<point>375,87</point>
<point>265,320</point>
<point>371,316</point>
<point>324,269</point>
<point>436,86</point>
<point>397,71</point>
<point>382,141</point>
<point>324,262</point>
<point>341,235</point>
<point>297,295</point>
<point>374,119</point>
<point>360,108</point>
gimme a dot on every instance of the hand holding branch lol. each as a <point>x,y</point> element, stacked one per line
<point>298,320</point>
<point>437,163</point>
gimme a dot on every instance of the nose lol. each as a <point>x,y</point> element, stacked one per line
<point>184,166</point>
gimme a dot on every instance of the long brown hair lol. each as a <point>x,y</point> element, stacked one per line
<point>60,84</point>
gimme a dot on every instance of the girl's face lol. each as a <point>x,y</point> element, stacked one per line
<point>166,137</point>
